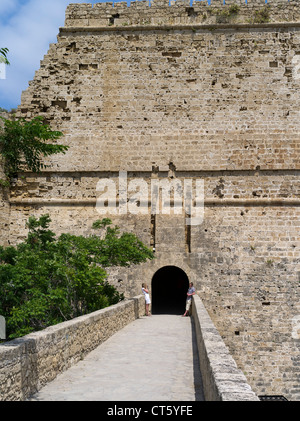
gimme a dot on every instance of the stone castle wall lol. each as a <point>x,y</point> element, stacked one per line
<point>181,12</point>
<point>4,198</point>
<point>4,209</point>
<point>175,93</point>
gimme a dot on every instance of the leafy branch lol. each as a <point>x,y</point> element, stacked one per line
<point>46,280</point>
<point>23,144</point>
<point>3,55</point>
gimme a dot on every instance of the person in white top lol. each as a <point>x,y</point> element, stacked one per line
<point>147,299</point>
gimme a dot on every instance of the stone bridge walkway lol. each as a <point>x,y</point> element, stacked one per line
<point>152,359</point>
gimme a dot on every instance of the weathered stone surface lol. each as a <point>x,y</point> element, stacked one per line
<point>222,380</point>
<point>144,361</point>
<point>28,363</point>
<point>174,93</point>
<point>4,197</point>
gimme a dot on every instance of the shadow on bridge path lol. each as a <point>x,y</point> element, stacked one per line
<point>151,359</point>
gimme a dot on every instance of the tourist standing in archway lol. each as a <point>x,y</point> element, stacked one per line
<point>191,291</point>
<point>147,299</point>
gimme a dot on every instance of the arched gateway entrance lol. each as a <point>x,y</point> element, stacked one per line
<point>169,288</point>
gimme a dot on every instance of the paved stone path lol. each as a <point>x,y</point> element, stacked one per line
<point>152,359</point>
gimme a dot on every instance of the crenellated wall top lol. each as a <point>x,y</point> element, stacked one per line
<point>163,12</point>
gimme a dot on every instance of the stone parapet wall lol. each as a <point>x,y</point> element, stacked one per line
<point>222,380</point>
<point>181,13</point>
<point>30,362</point>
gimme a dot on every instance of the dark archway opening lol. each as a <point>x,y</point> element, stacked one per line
<point>169,288</point>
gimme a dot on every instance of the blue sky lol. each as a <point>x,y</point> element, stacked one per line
<point>27,27</point>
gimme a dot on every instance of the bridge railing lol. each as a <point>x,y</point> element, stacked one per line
<point>222,380</point>
<point>30,362</point>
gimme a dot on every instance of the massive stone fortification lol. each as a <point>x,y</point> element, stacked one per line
<point>4,196</point>
<point>185,92</point>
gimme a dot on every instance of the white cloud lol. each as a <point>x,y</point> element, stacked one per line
<point>31,26</point>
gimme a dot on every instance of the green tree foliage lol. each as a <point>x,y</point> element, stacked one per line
<point>23,144</point>
<point>44,280</point>
<point>3,55</point>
